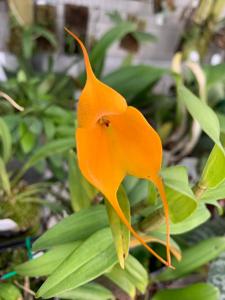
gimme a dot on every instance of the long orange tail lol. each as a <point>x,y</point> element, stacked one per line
<point>89,70</point>
<point>115,205</point>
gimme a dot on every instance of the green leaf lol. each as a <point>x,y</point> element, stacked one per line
<point>27,138</point>
<point>34,124</point>
<point>48,262</point>
<point>54,147</point>
<point>180,197</point>
<point>139,192</point>
<point>4,178</point>
<point>136,273</point>
<point>213,173</point>
<point>88,291</point>
<point>142,36</point>
<point>9,291</point>
<point>6,141</point>
<point>132,80</point>
<point>41,31</point>
<point>64,131</point>
<point>198,291</point>
<point>119,277</point>
<point>91,259</point>
<point>193,258</point>
<point>81,192</point>
<point>76,227</point>
<point>215,74</point>
<point>129,183</point>
<point>120,232</point>
<point>49,128</point>
<point>98,53</point>
<point>199,216</point>
<point>217,193</point>
<point>152,197</point>
<point>221,118</point>
<point>133,276</point>
<point>58,114</point>
<point>202,113</point>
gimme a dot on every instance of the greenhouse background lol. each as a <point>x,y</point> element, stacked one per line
<point>108,215</point>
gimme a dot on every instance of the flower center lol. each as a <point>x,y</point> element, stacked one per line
<point>104,122</point>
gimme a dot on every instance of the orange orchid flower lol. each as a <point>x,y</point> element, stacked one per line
<point>113,140</point>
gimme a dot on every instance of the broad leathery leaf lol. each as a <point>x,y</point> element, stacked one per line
<point>45,264</point>
<point>202,113</point>
<point>76,227</point>
<point>198,291</point>
<point>4,178</point>
<point>5,141</point>
<point>121,234</point>
<point>132,80</point>
<point>89,291</point>
<point>9,291</point>
<point>199,216</point>
<point>97,55</point>
<point>194,257</point>
<point>213,173</point>
<point>92,258</point>
<point>54,147</point>
<point>215,194</point>
<point>81,191</point>
<point>180,197</point>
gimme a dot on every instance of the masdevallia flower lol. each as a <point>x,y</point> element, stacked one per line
<point>113,140</point>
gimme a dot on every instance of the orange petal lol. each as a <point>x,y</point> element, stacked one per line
<point>97,99</point>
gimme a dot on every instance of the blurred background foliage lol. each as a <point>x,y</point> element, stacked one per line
<point>41,184</point>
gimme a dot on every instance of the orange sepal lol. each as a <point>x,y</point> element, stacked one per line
<point>97,99</point>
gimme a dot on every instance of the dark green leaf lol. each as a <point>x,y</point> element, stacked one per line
<point>132,80</point>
